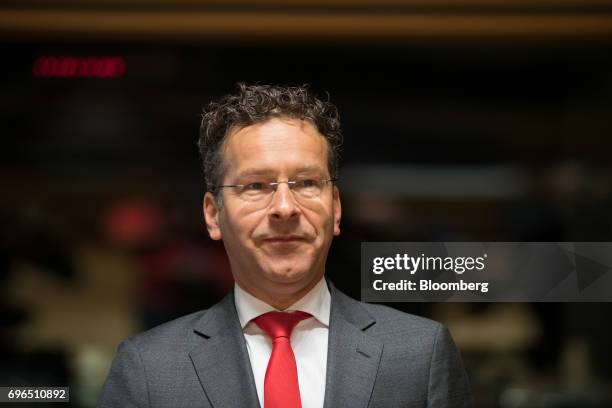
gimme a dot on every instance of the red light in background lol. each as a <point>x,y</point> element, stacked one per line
<point>78,67</point>
<point>133,221</point>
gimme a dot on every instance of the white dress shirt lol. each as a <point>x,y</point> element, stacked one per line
<point>308,340</point>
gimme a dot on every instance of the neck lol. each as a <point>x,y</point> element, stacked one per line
<point>280,297</point>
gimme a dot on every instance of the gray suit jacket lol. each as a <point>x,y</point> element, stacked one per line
<point>377,357</point>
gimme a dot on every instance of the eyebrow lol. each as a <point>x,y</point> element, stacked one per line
<point>253,171</point>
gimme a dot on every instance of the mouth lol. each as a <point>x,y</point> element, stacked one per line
<point>284,239</point>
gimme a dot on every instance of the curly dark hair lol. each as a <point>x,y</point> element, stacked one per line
<point>254,104</point>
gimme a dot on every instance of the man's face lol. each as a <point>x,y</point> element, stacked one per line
<point>276,246</point>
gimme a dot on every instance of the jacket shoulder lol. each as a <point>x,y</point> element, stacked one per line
<point>170,334</point>
<point>381,319</point>
<point>385,315</point>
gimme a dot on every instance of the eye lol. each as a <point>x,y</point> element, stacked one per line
<point>309,183</point>
<point>255,186</point>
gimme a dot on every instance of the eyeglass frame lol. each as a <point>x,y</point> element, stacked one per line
<point>274,185</point>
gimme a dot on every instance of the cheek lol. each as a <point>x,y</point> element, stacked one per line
<point>242,223</point>
<point>319,217</point>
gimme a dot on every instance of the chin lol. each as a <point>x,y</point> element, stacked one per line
<point>287,272</point>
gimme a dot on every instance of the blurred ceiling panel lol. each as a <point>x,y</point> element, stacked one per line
<point>549,4</point>
<point>342,21</point>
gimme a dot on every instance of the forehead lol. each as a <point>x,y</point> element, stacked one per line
<point>279,145</point>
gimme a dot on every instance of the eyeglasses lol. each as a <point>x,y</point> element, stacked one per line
<point>260,190</point>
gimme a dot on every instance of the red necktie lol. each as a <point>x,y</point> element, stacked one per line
<point>281,389</point>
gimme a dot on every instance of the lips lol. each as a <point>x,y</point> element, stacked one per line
<point>284,239</point>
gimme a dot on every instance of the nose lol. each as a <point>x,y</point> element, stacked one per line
<point>283,206</point>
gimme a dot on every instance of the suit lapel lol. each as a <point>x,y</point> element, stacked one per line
<point>353,357</point>
<point>221,360</point>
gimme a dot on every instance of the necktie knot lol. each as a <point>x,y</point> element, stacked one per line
<point>280,324</point>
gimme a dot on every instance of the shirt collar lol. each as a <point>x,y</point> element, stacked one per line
<point>316,302</point>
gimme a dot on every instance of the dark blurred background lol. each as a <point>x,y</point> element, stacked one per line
<point>464,120</point>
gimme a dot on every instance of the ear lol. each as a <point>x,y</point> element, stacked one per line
<point>211,216</point>
<point>337,207</point>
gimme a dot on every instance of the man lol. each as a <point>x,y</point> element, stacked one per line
<point>285,337</point>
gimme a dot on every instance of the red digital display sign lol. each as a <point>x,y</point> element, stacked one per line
<point>78,67</point>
